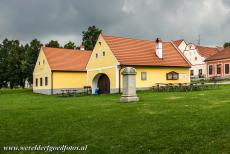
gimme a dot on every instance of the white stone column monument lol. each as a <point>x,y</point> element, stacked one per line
<point>129,85</point>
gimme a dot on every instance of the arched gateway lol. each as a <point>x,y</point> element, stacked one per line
<point>102,82</point>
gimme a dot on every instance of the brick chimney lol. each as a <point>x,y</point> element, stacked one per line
<point>159,50</point>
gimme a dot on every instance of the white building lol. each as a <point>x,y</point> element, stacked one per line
<point>196,56</point>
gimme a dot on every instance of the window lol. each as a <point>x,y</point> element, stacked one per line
<point>100,43</point>
<point>36,82</point>
<point>195,58</point>
<point>43,61</point>
<point>172,76</point>
<point>96,55</point>
<point>39,63</point>
<point>143,76</point>
<point>200,71</point>
<point>46,81</point>
<point>218,69</point>
<point>191,72</point>
<point>103,53</point>
<point>227,68</point>
<point>40,81</point>
<point>210,69</point>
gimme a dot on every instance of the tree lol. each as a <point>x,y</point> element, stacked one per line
<point>31,54</point>
<point>15,58</point>
<point>53,44</point>
<point>70,45</point>
<point>3,64</point>
<point>90,37</point>
<point>226,44</point>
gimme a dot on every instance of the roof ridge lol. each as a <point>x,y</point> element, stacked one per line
<point>142,39</point>
<point>67,49</point>
<point>205,46</point>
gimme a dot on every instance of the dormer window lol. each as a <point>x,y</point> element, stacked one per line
<point>103,53</point>
<point>96,55</point>
<point>99,43</point>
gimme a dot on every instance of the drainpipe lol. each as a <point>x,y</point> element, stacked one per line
<point>120,78</point>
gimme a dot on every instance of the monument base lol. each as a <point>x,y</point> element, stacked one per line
<point>129,99</point>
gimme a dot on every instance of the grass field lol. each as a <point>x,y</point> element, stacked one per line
<point>174,122</point>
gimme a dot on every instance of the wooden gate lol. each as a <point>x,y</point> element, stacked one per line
<point>104,84</point>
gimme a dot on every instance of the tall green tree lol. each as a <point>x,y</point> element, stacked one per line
<point>3,64</point>
<point>15,60</point>
<point>90,37</point>
<point>226,44</point>
<point>70,45</point>
<point>31,54</point>
<point>53,44</point>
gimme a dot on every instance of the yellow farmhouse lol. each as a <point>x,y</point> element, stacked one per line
<point>154,60</point>
<point>58,69</point>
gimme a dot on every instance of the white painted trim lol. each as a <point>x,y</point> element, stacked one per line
<point>41,72</point>
<point>198,64</point>
<point>102,68</point>
<point>185,58</point>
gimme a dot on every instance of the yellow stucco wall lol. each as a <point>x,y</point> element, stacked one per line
<point>102,61</point>
<point>42,70</point>
<point>69,80</point>
<point>61,80</point>
<point>110,72</point>
<point>106,64</point>
<point>109,65</point>
<point>158,75</point>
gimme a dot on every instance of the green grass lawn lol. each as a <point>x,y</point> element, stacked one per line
<point>174,122</point>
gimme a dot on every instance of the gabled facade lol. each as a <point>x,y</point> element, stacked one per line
<point>152,59</point>
<point>196,56</point>
<point>58,69</point>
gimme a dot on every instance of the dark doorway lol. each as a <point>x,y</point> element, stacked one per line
<point>104,84</point>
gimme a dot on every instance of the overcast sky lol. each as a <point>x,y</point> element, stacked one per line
<point>64,20</point>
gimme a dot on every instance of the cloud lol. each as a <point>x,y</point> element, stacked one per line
<point>65,20</point>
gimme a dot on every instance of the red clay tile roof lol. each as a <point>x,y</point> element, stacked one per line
<point>206,51</point>
<point>224,54</point>
<point>140,52</point>
<point>178,42</point>
<point>66,59</point>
